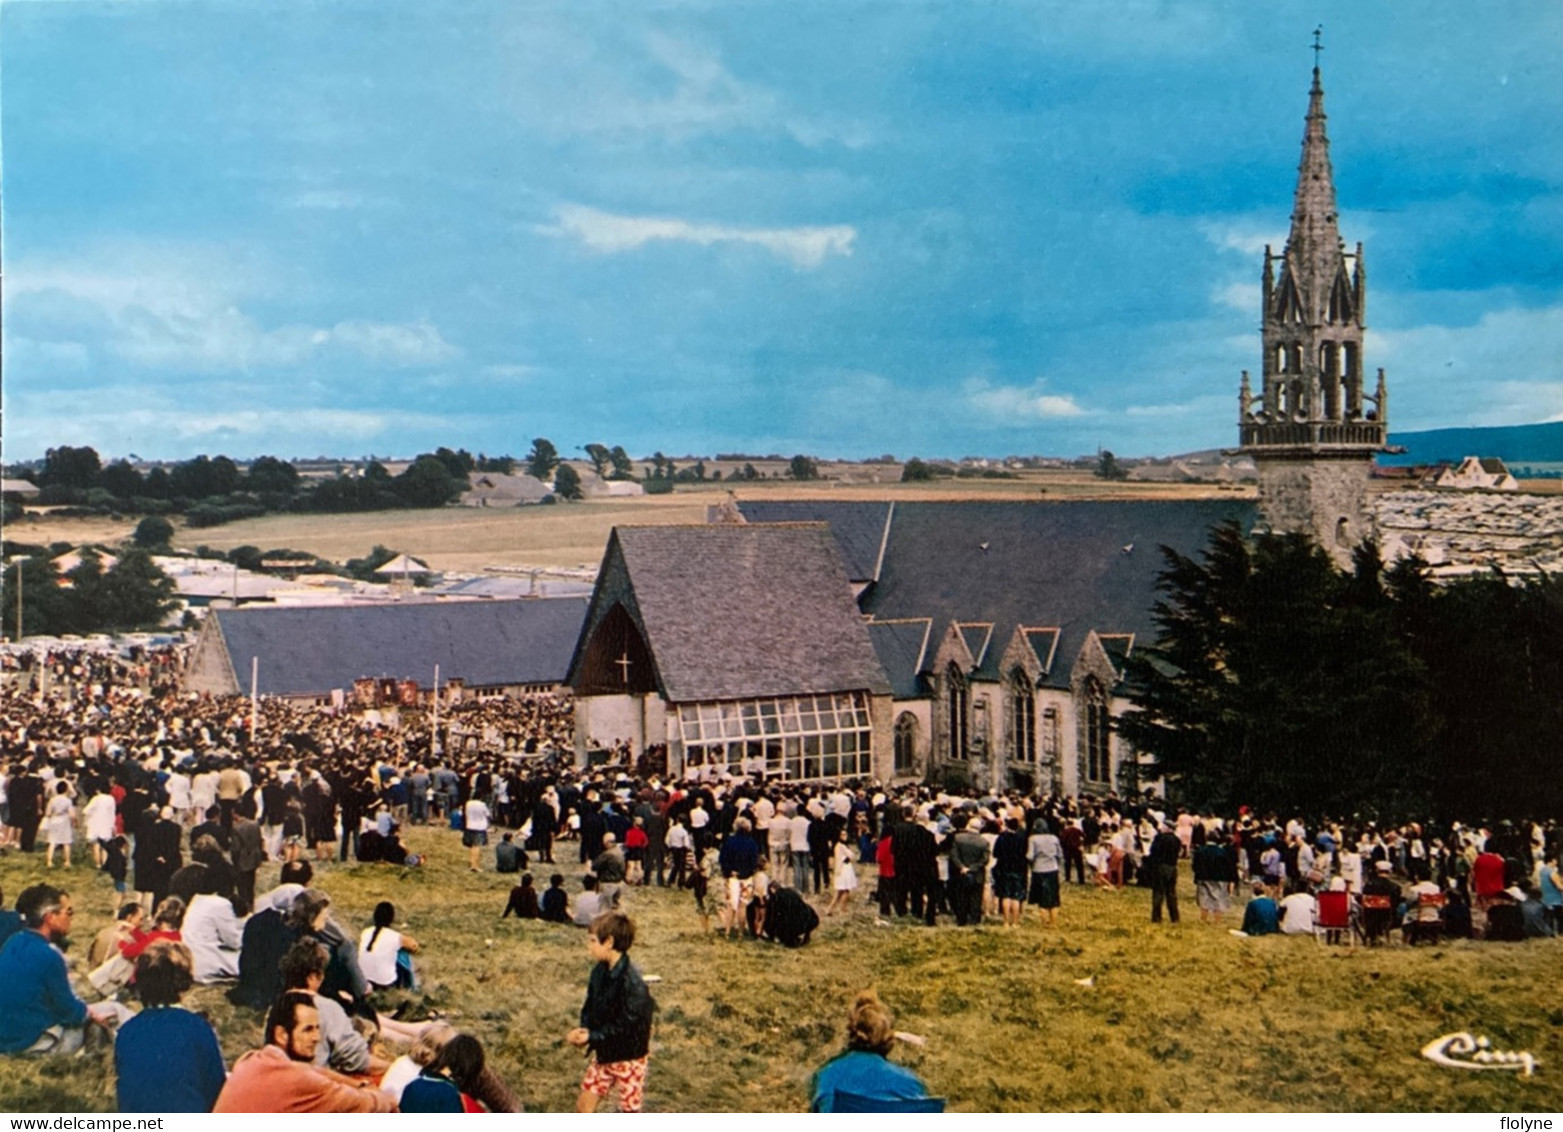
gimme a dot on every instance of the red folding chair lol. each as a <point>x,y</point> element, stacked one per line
<point>1333,918</point>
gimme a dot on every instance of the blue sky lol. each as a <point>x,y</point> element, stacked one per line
<point>844,228</point>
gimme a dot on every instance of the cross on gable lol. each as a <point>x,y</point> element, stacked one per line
<point>624,667</point>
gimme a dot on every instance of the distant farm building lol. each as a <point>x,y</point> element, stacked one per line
<point>495,489</point>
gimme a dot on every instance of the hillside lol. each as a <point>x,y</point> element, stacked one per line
<point>1513,444</point>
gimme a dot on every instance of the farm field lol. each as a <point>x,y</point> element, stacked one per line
<point>468,539</point>
<point>1183,1017</point>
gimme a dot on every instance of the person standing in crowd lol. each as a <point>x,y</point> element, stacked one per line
<point>1163,858</point>
<point>1011,870</point>
<point>1046,854</point>
<point>968,871</point>
<point>60,824</point>
<point>475,831</point>
<point>843,875</point>
<point>1215,876</point>
<point>615,1019</point>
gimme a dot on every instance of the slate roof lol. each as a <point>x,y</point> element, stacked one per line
<point>310,651</point>
<point>1081,566</point>
<point>902,648</point>
<point>859,527</point>
<point>739,611</point>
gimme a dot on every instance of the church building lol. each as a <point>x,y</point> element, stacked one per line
<point>976,643</point>
<point>738,647</point>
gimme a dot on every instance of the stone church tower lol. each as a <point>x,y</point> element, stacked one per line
<point>1313,428</point>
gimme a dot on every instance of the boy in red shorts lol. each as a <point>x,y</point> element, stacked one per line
<point>616,1018</point>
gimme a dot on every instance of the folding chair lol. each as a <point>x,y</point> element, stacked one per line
<point>1427,925</point>
<point>1378,917</point>
<point>1333,919</point>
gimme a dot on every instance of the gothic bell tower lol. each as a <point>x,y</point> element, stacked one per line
<point>1313,427</point>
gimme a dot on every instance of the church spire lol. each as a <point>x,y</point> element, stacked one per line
<point>1314,245</point>
<point>1313,426</point>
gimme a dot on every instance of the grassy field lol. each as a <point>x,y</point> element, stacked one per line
<point>1181,1017</point>
<point>468,539</point>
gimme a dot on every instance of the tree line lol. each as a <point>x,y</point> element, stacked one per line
<point>209,490</point>
<point>1280,682</point>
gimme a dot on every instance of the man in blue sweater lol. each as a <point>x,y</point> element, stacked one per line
<point>39,1012</point>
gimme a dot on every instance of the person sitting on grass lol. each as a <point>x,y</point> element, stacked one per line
<point>106,944</point>
<point>39,1012</point>
<point>385,954</point>
<point>864,1068</point>
<point>508,856</point>
<point>10,920</point>
<point>282,1076</point>
<point>589,904</point>
<point>615,1019</point>
<point>340,1046</point>
<point>488,1089</point>
<point>448,1082</point>
<point>166,1058</point>
<point>1263,914</point>
<point>555,903</point>
<point>523,900</point>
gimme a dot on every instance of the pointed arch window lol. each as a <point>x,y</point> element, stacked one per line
<point>905,743</point>
<point>1023,718</point>
<point>958,704</point>
<point>1098,728</point>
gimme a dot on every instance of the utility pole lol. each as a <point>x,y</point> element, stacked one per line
<point>254,697</point>
<point>434,736</point>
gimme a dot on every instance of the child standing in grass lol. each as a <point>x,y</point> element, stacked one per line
<point>616,1018</point>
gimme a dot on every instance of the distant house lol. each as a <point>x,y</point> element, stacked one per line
<point>496,489</point>
<point>71,559</point>
<point>739,647</point>
<point>18,489</point>
<point>594,486</point>
<point>1475,473</point>
<point>308,653</point>
<point>403,566</point>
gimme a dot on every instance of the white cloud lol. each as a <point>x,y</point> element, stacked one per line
<point>1014,403</point>
<point>235,418</point>
<point>1239,297</point>
<point>1501,370</point>
<point>395,343</point>
<point>186,313</point>
<point>1248,237</point>
<point>804,247</point>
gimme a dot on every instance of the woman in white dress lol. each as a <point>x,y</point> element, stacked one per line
<point>843,874</point>
<point>60,820</point>
<point>98,814</point>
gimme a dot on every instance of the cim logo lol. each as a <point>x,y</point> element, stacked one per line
<point>1463,1051</point>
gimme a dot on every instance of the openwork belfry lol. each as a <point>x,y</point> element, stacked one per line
<point>1314,426</point>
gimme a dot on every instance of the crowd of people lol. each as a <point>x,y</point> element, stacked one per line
<point>181,800</point>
